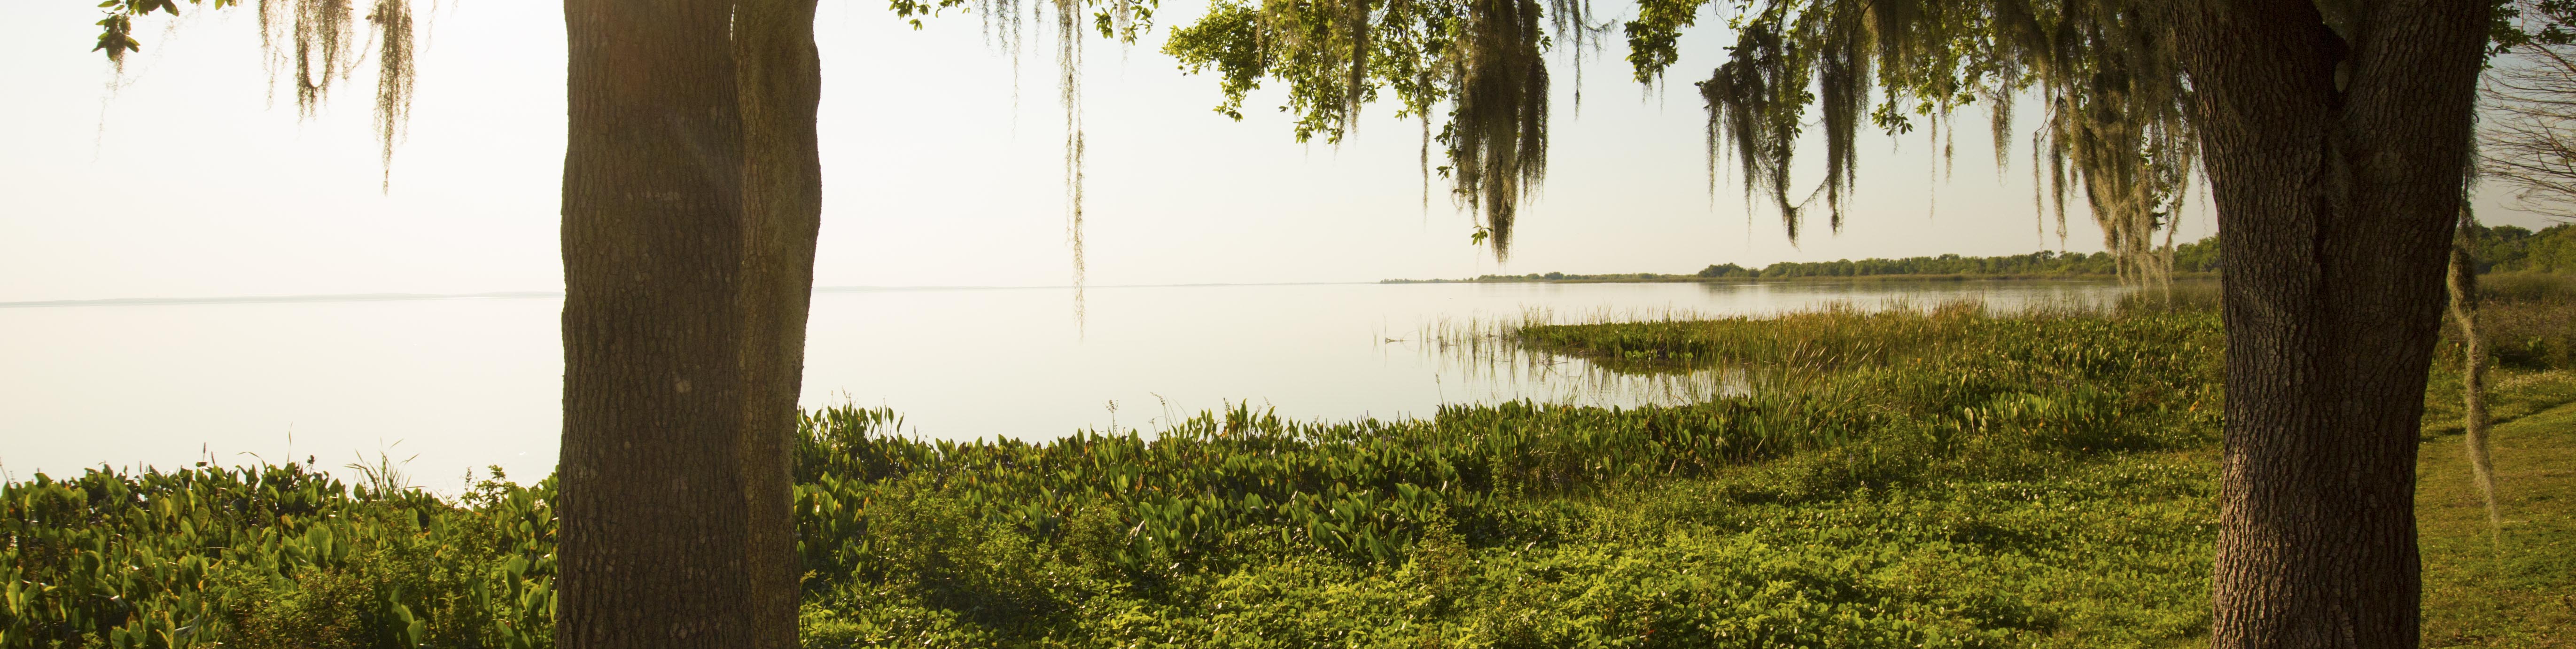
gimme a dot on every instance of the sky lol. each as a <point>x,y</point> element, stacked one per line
<point>188,175</point>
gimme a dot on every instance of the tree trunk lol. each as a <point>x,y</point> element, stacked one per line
<point>2335,156</point>
<point>691,193</point>
<point>781,84</point>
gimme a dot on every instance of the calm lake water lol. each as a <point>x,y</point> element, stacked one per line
<point>462,383</point>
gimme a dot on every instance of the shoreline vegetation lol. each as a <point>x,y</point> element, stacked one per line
<point>1936,477</point>
<point>1653,278</point>
<point>2499,249</point>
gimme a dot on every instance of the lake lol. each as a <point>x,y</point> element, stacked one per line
<point>466,382</point>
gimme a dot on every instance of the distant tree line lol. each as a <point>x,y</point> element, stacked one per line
<point>2195,257</point>
<point>2498,249</point>
<point>2507,249</point>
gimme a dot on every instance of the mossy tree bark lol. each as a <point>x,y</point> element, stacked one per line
<point>691,199</point>
<point>2335,146</point>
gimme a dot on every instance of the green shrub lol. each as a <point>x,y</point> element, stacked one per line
<point>271,556</point>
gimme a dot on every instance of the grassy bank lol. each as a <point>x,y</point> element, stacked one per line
<point>1941,478</point>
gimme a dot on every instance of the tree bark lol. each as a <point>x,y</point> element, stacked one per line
<point>2335,155</point>
<point>780,78</point>
<point>690,201</point>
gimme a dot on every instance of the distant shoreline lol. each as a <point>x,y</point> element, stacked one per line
<point>1651,278</point>
<point>1627,278</point>
<point>516,295</point>
<point>276,299</point>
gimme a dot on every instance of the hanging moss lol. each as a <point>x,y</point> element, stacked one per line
<point>1499,146</point>
<point>1068,57</point>
<point>311,44</point>
<point>1483,58</point>
<point>2108,77</point>
<point>392,19</point>
<point>2104,71</point>
<point>1004,25</point>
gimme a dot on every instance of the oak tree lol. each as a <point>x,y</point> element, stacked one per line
<point>691,199</point>
<point>691,203</point>
<point>2334,136</point>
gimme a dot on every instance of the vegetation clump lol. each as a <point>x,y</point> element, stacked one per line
<point>272,556</point>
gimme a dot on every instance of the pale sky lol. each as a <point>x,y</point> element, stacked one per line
<point>191,180</point>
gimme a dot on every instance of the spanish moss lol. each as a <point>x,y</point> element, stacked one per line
<point>313,43</point>
<point>1002,26</point>
<point>394,75</point>
<point>1068,58</point>
<point>1499,147</point>
<point>1756,103</point>
<point>1484,59</point>
<point>2117,118</point>
<point>2105,72</point>
<point>1571,24</point>
<point>308,41</point>
<point>1356,14</point>
<point>1426,165</point>
<point>1001,23</point>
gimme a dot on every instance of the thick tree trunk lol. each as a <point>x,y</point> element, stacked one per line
<point>690,201</point>
<point>781,84</point>
<point>2335,156</point>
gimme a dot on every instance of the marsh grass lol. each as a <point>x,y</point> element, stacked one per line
<point>1935,476</point>
<point>1487,354</point>
<point>385,475</point>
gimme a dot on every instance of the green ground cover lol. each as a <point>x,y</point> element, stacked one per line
<point>2514,587</point>
<point>2517,589</point>
<point>1942,477</point>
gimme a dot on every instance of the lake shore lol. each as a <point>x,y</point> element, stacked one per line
<point>1953,476</point>
<point>1651,278</point>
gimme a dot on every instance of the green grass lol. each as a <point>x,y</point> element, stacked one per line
<point>1937,478</point>
<point>2513,590</point>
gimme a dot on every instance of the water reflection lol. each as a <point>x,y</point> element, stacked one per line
<point>1482,361</point>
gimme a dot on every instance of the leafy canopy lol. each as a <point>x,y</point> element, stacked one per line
<point>2104,73</point>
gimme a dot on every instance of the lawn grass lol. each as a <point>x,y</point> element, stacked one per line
<point>2521,591</point>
